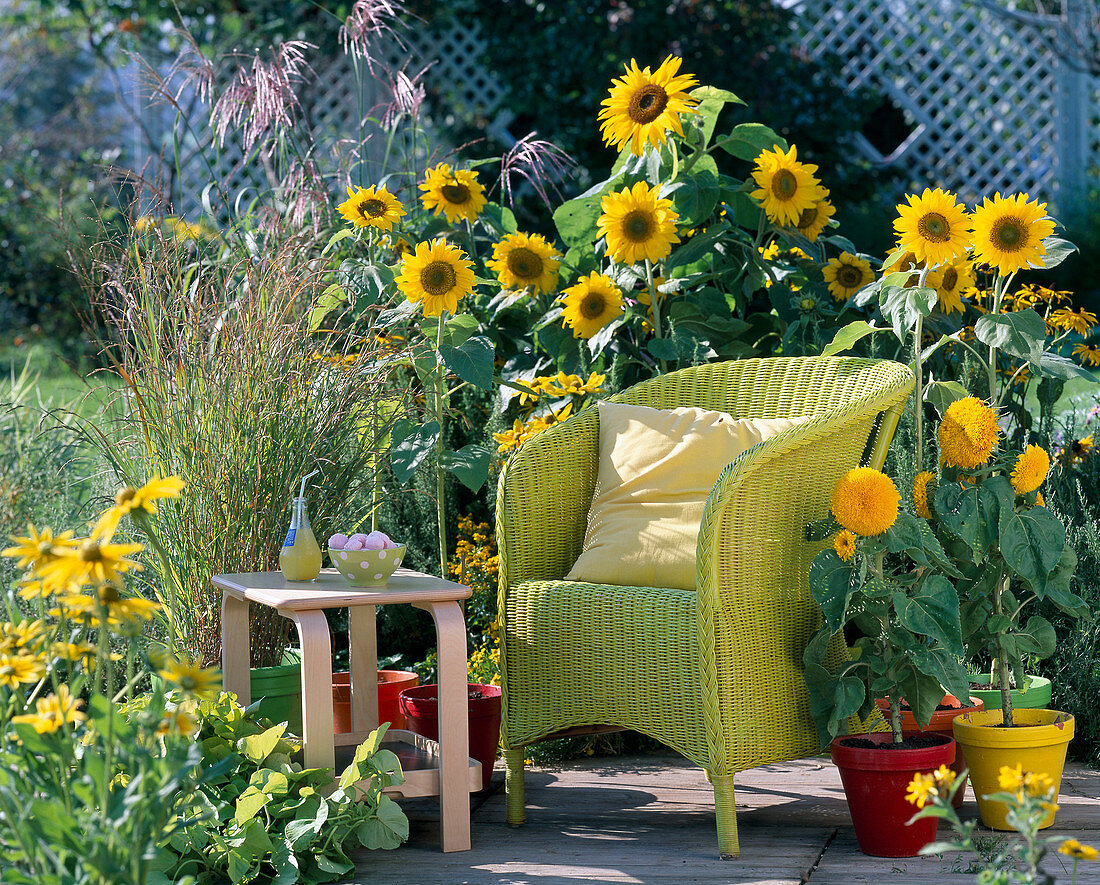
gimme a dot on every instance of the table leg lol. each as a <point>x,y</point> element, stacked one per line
<point>363,651</point>
<point>454,725</point>
<point>313,633</point>
<point>236,649</point>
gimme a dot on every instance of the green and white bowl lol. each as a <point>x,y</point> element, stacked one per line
<point>367,568</point>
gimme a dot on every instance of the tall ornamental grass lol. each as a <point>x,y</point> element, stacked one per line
<point>225,386</point>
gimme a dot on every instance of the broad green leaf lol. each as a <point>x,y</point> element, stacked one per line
<point>1058,250</point>
<point>1053,365</point>
<point>932,610</point>
<point>333,297</point>
<point>249,804</point>
<point>663,349</point>
<point>713,93</point>
<point>693,250</point>
<point>922,693</point>
<point>1031,544</point>
<point>975,513</point>
<point>942,393</point>
<point>1021,333</point>
<point>331,865</point>
<point>832,583</point>
<point>459,328</point>
<point>256,748</point>
<point>410,444</point>
<point>337,237</point>
<point>695,196</point>
<point>501,218</point>
<point>903,306</point>
<point>273,783</point>
<point>299,833</point>
<point>1058,586</point>
<point>472,362</point>
<point>387,829</point>
<point>845,338</point>
<point>470,465</point>
<point>576,219</point>
<point>1036,638</point>
<point>746,141</point>
<point>940,664</point>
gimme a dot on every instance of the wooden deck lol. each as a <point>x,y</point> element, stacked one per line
<point>650,819</point>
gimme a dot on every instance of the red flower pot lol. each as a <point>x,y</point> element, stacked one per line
<point>390,684</point>
<point>940,724</point>
<point>421,708</point>
<point>875,782</point>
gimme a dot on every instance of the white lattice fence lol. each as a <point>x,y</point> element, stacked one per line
<point>989,106</point>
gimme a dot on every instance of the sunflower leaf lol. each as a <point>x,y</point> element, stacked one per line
<point>472,361</point>
<point>846,338</point>
<point>1054,365</point>
<point>410,444</point>
<point>1058,250</point>
<point>1021,333</point>
<point>747,141</point>
<point>904,306</point>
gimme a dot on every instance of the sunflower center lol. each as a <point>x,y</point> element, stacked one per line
<point>438,278</point>
<point>1008,234</point>
<point>807,218</point>
<point>950,279</point>
<point>647,104</point>
<point>784,184</point>
<point>934,227</point>
<point>455,193</point>
<point>7,670</point>
<point>373,209</point>
<point>45,548</point>
<point>109,595</point>
<point>188,682</point>
<point>124,496</point>
<point>849,277</point>
<point>524,264</point>
<point>592,306</point>
<point>637,226</point>
<point>90,552</point>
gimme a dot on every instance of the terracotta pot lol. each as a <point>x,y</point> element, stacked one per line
<point>939,724</point>
<point>390,684</point>
<point>421,709</point>
<point>875,783</point>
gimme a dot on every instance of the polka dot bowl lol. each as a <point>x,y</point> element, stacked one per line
<point>367,568</point>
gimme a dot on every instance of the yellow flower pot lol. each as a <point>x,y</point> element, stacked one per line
<point>1038,743</point>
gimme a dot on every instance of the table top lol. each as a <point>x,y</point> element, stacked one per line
<point>331,590</point>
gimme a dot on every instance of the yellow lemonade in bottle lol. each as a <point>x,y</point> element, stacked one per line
<point>300,558</point>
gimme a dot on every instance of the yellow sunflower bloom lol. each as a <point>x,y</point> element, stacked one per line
<point>190,677</point>
<point>54,712</point>
<point>1009,232</point>
<point>129,500</point>
<point>372,207</point>
<point>526,261</point>
<point>1073,848</point>
<point>950,282</point>
<point>438,275</point>
<point>457,194</point>
<point>510,438</point>
<point>37,548</point>
<point>933,226</point>
<point>641,106</point>
<point>638,224</point>
<point>591,304</point>
<point>16,670</point>
<point>1079,449</point>
<point>921,790</point>
<point>176,722</point>
<point>813,220</point>
<point>1031,469</point>
<point>25,636</point>
<point>920,493</point>
<point>94,562</point>
<point>844,544</point>
<point>846,275</point>
<point>865,501</point>
<point>1080,321</point>
<point>787,188</point>
<point>1088,353</point>
<point>967,433</point>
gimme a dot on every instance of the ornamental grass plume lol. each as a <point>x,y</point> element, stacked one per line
<point>865,501</point>
<point>968,432</point>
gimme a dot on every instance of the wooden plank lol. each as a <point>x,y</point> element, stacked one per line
<point>331,590</point>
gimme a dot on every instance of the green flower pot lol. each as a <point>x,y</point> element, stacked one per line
<point>1037,696</point>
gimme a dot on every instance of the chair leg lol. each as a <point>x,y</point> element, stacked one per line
<point>513,785</point>
<point>725,812</point>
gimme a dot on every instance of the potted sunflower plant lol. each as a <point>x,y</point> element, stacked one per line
<point>983,504</point>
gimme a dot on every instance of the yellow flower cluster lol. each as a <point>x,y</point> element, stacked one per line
<point>521,431</point>
<point>927,786</point>
<point>967,433</point>
<point>1073,848</point>
<point>561,384</point>
<point>1030,783</point>
<point>476,562</point>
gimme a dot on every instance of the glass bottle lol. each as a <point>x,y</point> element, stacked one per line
<point>300,558</point>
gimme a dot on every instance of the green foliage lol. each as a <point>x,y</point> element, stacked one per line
<point>259,816</point>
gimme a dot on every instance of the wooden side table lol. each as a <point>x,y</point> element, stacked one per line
<point>304,603</point>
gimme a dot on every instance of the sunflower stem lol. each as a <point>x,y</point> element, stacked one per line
<point>440,477</point>
<point>1002,656</point>
<point>656,309</point>
<point>918,375</point>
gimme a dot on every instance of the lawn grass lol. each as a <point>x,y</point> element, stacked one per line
<point>39,375</point>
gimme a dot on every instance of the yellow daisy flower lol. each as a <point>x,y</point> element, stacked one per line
<point>1010,779</point>
<point>787,188</point>
<point>1080,321</point>
<point>1089,353</point>
<point>523,261</point>
<point>510,438</point>
<point>94,562</point>
<point>176,722</point>
<point>1031,469</point>
<point>53,712</point>
<point>844,544</point>
<point>75,652</point>
<point>920,493</point>
<point>967,433</point>
<point>457,194</point>
<point>1009,232</point>
<point>37,548</point>
<point>933,226</point>
<point>1039,502</point>
<point>1074,849</point>
<point>813,220</point>
<point>16,670</point>
<point>950,282</point>
<point>1038,783</point>
<point>638,224</point>
<point>642,106</point>
<point>846,275</point>
<point>437,275</point>
<point>191,678</point>
<point>590,304</point>
<point>921,790</point>
<point>128,500</point>
<point>1079,449</point>
<point>21,637</point>
<point>945,777</point>
<point>865,501</point>
<point>372,207</point>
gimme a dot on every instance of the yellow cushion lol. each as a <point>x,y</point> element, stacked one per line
<point>656,469</point>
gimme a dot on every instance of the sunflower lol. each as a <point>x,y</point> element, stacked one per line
<point>176,722</point>
<point>638,224</point>
<point>37,548</point>
<point>53,712</point>
<point>950,281</point>
<point>524,261</point>
<point>865,501</point>
<point>1079,449</point>
<point>1089,353</point>
<point>1073,848</point>
<point>94,561</point>
<point>967,433</point>
<point>933,226</point>
<point>372,207</point>
<point>437,275</point>
<point>1080,321</point>
<point>844,544</point>
<point>456,194</point>
<point>1009,232</point>
<point>642,106</point>
<point>18,669</point>
<point>903,260</point>
<point>920,493</point>
<point>591,304</point>
<point>787,188</point>
<point>813,220</point>
<point>846,275</point>
<point>129,500</point>
<point>190,677</point>
<point>1031,469</point>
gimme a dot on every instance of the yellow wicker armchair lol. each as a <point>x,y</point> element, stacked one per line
<point>715,673</point>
